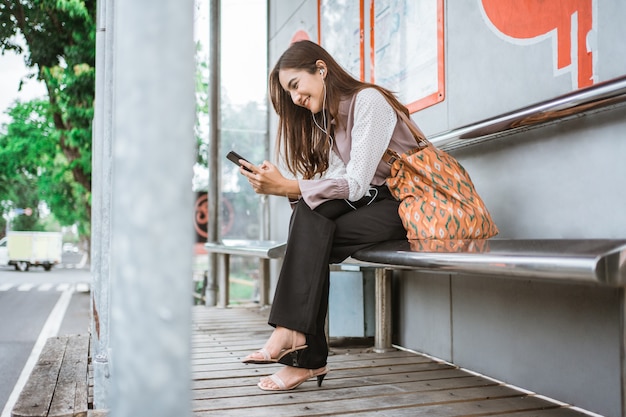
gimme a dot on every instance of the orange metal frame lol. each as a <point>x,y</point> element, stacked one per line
<point>416,105</point>
<point>439,95</point>
<point>361,34</point>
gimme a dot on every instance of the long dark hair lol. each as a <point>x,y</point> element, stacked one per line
<point>305,147</point>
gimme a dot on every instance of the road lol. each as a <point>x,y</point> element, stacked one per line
<point>35,305</point>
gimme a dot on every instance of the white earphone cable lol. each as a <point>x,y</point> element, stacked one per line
<point>324,122</point>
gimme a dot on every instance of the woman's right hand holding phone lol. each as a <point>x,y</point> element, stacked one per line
<point>267,179</point>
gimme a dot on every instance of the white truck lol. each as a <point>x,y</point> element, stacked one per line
<point>25,249</point>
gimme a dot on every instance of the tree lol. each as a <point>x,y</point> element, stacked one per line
<point>60,48</point>
<point>25,153</point>
<point>33,169</point>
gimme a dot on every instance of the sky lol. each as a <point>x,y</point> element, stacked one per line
<point>12,70</point>
<point>243,48</point>
<point>244,68</point>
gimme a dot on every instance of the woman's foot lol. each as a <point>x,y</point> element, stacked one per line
<point>289,378</point>
<point>282,342</point>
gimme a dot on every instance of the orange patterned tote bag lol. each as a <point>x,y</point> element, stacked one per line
<point>437,197</point>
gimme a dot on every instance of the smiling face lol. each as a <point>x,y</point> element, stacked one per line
<point>306,89</point>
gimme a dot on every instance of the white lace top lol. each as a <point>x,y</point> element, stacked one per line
<point>356,154</point>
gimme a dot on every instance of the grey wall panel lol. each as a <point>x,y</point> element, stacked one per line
<point>424,314</point>
<point>561,181</point>
<point>611,57</point>
<point>488,76</point>
<point>287,18</point>
<point>346,303</point>
<point>561,341</point>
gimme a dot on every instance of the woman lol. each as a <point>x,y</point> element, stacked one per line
<point>332,133</point>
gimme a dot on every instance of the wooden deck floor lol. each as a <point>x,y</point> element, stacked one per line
<point>360,383</point>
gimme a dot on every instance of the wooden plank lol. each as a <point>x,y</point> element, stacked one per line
<point>239,386</point>
<point>343,363</point>
<point>90,381</point>
<point>70,395</point>
<point>98,413</point>
<point>533,406</point>
<point>266,370</point>
<point>81,401</point>
<point>552,412</point>
<point>200,358</point>
<point>313,404</point>
<point>339,391</point>
<point>36,396</point>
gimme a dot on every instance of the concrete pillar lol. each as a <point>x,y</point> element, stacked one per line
<point>101,204</point>
<point>152,208</point>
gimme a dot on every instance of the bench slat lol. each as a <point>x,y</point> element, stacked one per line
<point>260,248</point>
<point>36,396</point>
<point>70,395</point>
<point>599,261</point>
<point>58,384</point>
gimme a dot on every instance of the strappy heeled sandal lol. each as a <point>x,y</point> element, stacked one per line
<point>281,386</point>
<point>267,358</point>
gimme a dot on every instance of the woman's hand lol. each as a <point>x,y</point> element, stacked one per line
<point>267,179</point>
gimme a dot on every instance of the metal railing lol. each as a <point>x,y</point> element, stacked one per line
<point>599,97</point>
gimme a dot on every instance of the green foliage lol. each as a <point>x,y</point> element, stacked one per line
<point>47,146</point>
<point>202,105</point>
<point>21,149</point>
<point>33,169</point>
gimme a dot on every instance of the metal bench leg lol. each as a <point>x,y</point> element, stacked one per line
<point>382,340</point>
<point>223,272</point>
<point>264,284</point>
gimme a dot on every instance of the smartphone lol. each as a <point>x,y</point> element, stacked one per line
<point>235,157</point>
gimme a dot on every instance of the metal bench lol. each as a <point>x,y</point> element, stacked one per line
<point>58,384</point>
<point>262,249</point>
<point>591,261</point>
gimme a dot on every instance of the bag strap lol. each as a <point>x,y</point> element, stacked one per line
<point>421,140</point>
<point>390,156</point>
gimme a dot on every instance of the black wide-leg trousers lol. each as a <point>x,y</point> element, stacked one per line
<point>317,238</point>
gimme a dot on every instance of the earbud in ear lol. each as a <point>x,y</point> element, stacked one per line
<point>321,72</point>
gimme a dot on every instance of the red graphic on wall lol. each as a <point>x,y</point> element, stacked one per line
<point>201,216</point>
<point>300,35</point>
<point>527,19</point>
